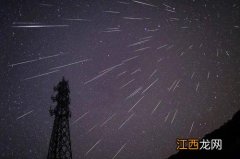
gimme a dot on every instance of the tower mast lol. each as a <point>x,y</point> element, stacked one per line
<point>60,143</point>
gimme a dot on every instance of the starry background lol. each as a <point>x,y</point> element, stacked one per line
<point>141,73</point>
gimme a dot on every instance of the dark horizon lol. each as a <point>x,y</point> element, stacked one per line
<point>229,133</point>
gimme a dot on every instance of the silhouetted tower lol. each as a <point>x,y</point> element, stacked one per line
<point>60,143</point>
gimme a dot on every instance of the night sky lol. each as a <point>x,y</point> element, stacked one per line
<point>141,74</point>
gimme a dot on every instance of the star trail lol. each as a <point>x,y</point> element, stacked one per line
<point>141,74</point>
